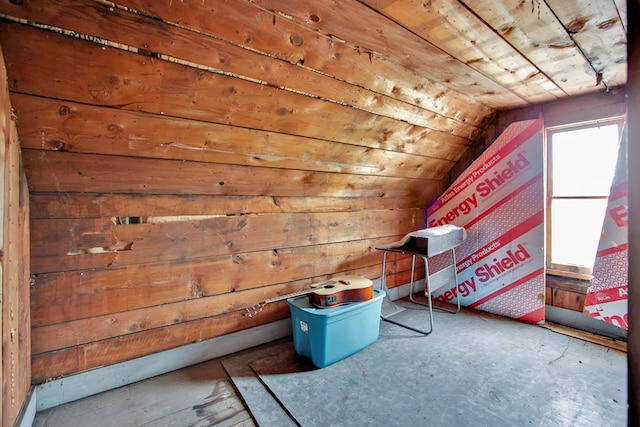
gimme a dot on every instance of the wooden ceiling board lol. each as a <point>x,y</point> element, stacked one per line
<point>621,6</point>
<point>461,34</point>
<point>360,26</point>
<point>532,28</point>
<point>597,29</point>
<point>89,173</point>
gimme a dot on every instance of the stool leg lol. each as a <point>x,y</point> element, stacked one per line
<point>427,289</point>
<point>383,279</point>
<point>455,278</point>
<point>413,269</point>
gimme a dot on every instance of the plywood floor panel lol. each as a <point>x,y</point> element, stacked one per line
<point>200,395</point>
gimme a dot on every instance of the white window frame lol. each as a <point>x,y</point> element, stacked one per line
<point>562,269</point>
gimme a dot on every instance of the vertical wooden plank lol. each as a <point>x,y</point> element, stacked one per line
<point>24,276</point>
<point>5,117</point>
<point>14,254</point>
<point>11,301</point>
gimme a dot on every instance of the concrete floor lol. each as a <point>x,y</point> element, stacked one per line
<point>474,369</point>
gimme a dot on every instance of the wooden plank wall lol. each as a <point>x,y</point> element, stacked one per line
<point>14,265</point>
<point>185,163</point>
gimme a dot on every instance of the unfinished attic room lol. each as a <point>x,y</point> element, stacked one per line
<point>319,213</point>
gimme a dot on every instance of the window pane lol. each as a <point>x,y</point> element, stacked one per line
<point>575,230</point>
<point>583,161</point>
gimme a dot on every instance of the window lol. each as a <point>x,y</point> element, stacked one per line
<point>581,161</point>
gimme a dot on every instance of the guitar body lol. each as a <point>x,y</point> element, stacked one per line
<point>341,290</point>
<point>335,291</point>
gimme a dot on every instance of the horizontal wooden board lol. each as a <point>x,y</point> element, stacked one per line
<point>125,80</point>
<point>75,359</point>
<point>67,126</point>
<point>586,336</point>
<point>64,296</point>
<point>108,23</point>
<point>51,171</point>
<point>66,244</point>
<point>246,24</point>
<point>99,205</point>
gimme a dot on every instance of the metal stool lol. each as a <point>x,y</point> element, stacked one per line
<point>424,244</point>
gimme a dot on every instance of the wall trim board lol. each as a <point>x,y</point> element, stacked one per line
<point>578,320</point>
<point>84,384</point>
<point>28,413</point>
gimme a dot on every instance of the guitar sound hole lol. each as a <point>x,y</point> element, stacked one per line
<point>329,286</point>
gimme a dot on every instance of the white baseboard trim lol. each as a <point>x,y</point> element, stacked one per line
<point>28,414</point>
<point>60,391</point>
<point>84,384</point>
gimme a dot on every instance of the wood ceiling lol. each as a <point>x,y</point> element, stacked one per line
<point>456,62</point>
<point>460,59</point>
<point>503,53</point>
<point>418,80</point>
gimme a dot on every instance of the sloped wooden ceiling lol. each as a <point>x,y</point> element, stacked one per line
<point>502,54</point>
<point>509,54</point>
<point>442,67</point>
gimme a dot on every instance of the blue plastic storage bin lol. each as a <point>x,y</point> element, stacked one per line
<point>327,335</point>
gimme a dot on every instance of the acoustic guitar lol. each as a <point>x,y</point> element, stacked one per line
<point>333,292</point>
